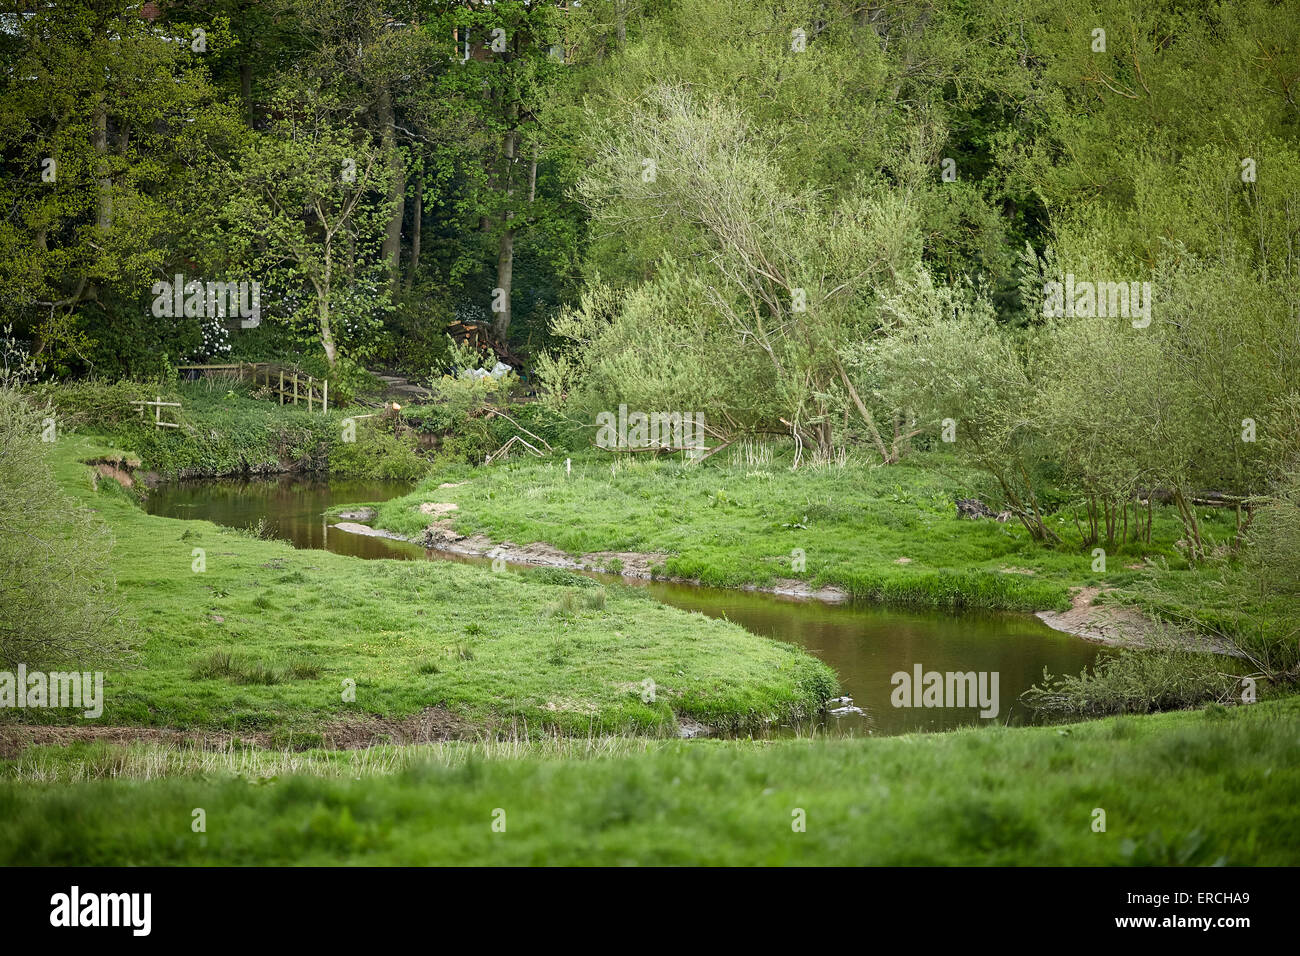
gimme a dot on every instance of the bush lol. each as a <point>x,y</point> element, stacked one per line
<point>376,454</point>
<point>1273,552</point>
<point>57,601</point>
<point>96,403</point>
<point>416,340</point>
<point>1137,682</point>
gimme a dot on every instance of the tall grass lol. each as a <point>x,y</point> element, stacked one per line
<point>227,757</point>
<point>1217,787</point>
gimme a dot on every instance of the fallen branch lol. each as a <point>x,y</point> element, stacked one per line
<point>500,452</point>
<point>497,411</point>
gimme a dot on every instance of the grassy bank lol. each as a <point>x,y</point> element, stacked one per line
<point>226,429</point>
<point>882,534</point>
<point>1193,788</point>
<point>246,635</point>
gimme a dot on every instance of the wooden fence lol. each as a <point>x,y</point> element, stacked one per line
<point>158,405</point>
<point>287,386</point>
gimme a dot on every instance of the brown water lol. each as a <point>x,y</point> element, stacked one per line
<point>865,644</point>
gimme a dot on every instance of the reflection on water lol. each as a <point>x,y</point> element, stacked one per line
<point>293,508</point>
<point>865,644</point>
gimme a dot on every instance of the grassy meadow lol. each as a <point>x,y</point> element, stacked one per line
<point>264,636</point>
<point>1189,788</point>
<point>886,534</point>
<point>540,674</point>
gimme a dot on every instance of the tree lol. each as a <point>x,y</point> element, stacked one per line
<point>791,274</point>
<point>508,70</point>
<point>95,106</point>
<point>303,206</point>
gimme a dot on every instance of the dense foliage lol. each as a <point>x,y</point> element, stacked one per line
<point>1058,239</point>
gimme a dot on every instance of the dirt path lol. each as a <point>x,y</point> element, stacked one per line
<point>1117,626</point>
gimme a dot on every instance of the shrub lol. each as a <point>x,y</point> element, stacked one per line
<point>57,600</point>
<point>1137,682</point>
<point>1273,553</point>
<point>377,453</point>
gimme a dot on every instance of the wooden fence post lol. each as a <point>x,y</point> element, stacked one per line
<point>281,386</point>
<point>309,381</point>
<point>325,398</point>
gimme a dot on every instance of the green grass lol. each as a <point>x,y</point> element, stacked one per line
<point>264,638</point>
<point>1229,598</point>
<point>729,524</point>
<point>225,430</point>
<point>1188,788</point>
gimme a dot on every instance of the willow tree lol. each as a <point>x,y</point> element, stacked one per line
<point>791,275</point>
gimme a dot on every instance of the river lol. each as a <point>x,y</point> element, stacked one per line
<point>865,644</point>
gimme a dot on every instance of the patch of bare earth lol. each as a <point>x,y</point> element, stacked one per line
<point>802,591</point>
<point>431,725</point>
<point>631,564</point>
<point>1117,626</point>
<point>119,475</point>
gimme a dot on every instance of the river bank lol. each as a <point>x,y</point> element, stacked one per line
<point>1104,624</point>
<point>865,644</point>
<point>241,635</point>
<point>891,536</point>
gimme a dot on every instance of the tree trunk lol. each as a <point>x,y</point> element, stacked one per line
<point>1191,526</point>
<point>322,287</point>
<point>415,238</point>
<point>392,246</point>
<point>246,88</point>
<point>505,275</point>
<point>506,244</point>
<point>532,176</point>
<point>326,333</point>
<point>99,139</point>
<point>872,431</point>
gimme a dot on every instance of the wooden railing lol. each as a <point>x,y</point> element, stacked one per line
<point>285,386</point>
<point>158,405</point>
